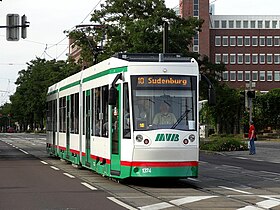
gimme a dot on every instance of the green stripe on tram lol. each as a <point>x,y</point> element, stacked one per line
<point>103,73</point>
<point>92,77</point>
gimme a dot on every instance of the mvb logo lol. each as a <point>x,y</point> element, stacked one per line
<point>167,137</point>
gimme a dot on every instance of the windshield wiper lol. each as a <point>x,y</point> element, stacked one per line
<point>180,119</point>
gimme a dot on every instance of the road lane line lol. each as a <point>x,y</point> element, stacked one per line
<point>190,199</point>
<point>156,206</point>
<point>88,186</point>
<point>45,163</point>
<point>195,180</point>
<point>55,168</point>
<point>228,166</point>
<point>121,203</point>
<point>69,175</point>
<point>268,172</point>
<point>23,151</point>
<point>268,204</point>
<point>235,190</point>
<point>242,158</point>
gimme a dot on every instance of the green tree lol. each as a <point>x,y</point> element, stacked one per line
<point>136,26</point>
<point>29,100</point>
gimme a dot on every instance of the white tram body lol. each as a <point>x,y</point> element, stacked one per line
<point>121,137</point>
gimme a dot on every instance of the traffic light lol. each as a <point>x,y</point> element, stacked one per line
<point>251,94</point>
<point>12,23</point>
<point>24,26</point>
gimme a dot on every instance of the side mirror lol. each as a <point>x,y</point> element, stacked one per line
<point>113,96</point>
<point>211,97</point>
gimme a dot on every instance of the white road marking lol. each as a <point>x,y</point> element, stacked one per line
<point>157,206</point>
<point>69,175</point>
<point>202,162</point>
<point>121,203</point>
<point>45,163</point>
<point>55,168</point>
<point>88,186</point>
<point>190,199</point>
<point>23,151</point>
<point>235,190</point>
<point>268,204</point>
<point>268,172</point>
<point>195,180</point>
<point>228,166</point>
<point>250,208</point>
<point>242,158</point>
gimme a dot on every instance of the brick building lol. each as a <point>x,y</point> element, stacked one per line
<point>249,45</point>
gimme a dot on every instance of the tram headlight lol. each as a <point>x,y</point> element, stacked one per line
<point>192,137</point>
<point>139,138</point>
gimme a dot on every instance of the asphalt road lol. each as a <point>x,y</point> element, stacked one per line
<point>227,181</point>
<point>29,183</point>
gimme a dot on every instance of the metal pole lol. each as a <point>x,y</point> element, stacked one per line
<point>165,37</point>
<point>250,103</point>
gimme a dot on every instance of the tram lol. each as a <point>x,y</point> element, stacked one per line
<point>103,118</point>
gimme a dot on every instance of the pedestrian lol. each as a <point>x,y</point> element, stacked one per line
<point>252,137</point>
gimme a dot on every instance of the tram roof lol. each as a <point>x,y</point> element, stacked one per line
<point>152,57</point>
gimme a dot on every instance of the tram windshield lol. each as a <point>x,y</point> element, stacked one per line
<point>164,102</point>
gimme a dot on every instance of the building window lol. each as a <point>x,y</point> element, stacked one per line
<point>225,76</point>
<point>253,23</point>
<point>247,40</point>
<point>262,58</point>
<point>254,41</point>
<point>277,58</point>
<point>255,58</point>
<point>232,40</point>
<point>247,75</point>
<point>262,75</point>
<point>217,41</point>
<point>262,40</point>
<point>245,24</point>
<point>224,24</point>
<point>240,58</point>
<point>269,75</point>
<point>232,58</point>
<point>232,76</point>
<point>195,8</point>
<point>225,40</point>
<point>269,41</point>
<point>231,24</point>
<point>240,75</point>
<point>240,41</point>
<point>277,41</point>
<point>255,76</point>
<point>260,24</point>
<point>247,58</point>
<point>217,58</point>
<point>225,58</point>
<point>216,24</point>
<point>267,23</point>
<point>269,58</point>
<point>238,24</point>
<point>274,24</point>
<point>276,76</point>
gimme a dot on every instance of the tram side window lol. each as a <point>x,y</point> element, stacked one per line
<point>49,115</point>
<point>62,114</point>
<point>97,114</point>
<point>74,113</point>
<point>83,112</point>
<point>55,115</point>
<point>105,107</point>
<point>126,110</point>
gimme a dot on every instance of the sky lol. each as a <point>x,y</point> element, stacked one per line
<point>49,19</point>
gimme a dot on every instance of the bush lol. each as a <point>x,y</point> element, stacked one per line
<point>224,143</point>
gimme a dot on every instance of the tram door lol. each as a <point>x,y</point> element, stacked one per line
<point>67,127</point>
<point>87,124</point>
<point>115,136</point>
<point>54,125</point>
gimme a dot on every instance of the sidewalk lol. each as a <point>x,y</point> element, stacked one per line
<point>265,151</point>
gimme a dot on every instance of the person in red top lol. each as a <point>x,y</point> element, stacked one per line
<point>252,137</point>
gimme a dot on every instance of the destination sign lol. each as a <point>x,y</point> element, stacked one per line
<point>163,81</point>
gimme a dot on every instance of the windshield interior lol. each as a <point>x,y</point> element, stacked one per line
<point>164,102</point>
